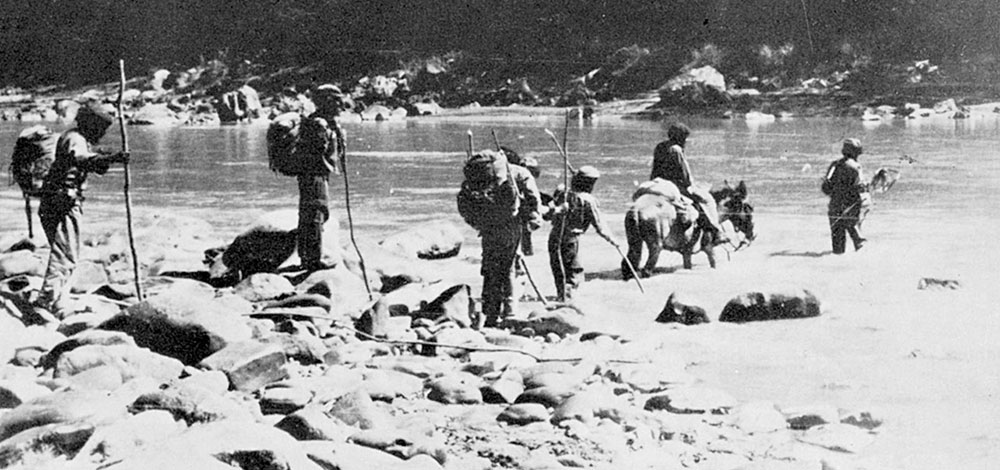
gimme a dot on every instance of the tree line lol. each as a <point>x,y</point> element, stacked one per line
<point>76,42</point>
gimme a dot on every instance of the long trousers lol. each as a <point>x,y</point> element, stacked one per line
<point>314,211</point>
<point>499,253</point>
<point>60,217</point>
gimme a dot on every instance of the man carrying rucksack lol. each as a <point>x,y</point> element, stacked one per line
<point>62,198</point>
<point>321,144</point>
<point>497,199</point>
<point>845,186</point>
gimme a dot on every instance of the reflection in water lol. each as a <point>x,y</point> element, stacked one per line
<point>410,171</point>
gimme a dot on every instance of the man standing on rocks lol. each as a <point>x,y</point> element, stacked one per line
<point>572,214</point>
<point>321,140</point>
<point>669,164</point>
<point>61,207</point>
<point>845,186</point>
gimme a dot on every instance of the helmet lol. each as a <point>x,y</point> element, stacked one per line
<point>851,147</point>
<point>587,171</point>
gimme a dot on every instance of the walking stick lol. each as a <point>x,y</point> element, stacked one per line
<point>562,222</point>
<point>128,181</point>
<point>27,213</point>
<point>350,220</point>
<point>531,280</point>
<point>468,152</point>
<point>631,268</point>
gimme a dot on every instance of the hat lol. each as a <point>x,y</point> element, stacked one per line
<point>851,146</point>
<point>588,171</point>
<point>327,89</point>
<point>678,132</point>
<point>96,113</point>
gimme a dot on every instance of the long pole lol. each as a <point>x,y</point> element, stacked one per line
<point>469,150</point>
<point>562,217</point>
<point>631,268</point>
<point>27,214</point>
<point>350,220</point>
<point>128,181</point>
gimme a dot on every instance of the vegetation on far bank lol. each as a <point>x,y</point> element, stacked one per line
<point>818,57</point>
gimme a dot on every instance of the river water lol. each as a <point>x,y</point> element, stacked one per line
<point>926,361</point>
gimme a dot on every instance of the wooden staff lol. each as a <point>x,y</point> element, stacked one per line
<point>350,220</point>
<point>631,268</point>
<point>128,180</point>
<point>27,213</point>
<point>468,151</point>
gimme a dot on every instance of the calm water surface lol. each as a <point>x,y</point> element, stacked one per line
<point>410,171</point>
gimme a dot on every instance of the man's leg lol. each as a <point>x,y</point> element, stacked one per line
<point>555,249</point>
<point>571,264</point>
<point>313,213</point>
<point>62,229</point>
<point>838,234</point>
<point>499,247</point>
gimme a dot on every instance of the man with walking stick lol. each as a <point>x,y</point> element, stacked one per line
<point>848,194</point>
<point>61,207</point>
<point>321,139</point>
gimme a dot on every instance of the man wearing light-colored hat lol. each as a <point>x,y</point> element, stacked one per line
<point>847,190</point>
<point>61,207</point>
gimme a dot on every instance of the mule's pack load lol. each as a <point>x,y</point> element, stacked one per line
<point>34,152</point>
<point>293,143</point>
<point>488,196</point>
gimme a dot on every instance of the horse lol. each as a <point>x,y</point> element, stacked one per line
<point>660,220</point>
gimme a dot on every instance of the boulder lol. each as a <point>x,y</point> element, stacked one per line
<point>357,409</point>
<point>238,105</point>
<point>282,398</point>
<point>249,365</point>
<point>13,392</point>
<point>129,361</point>
<point>119,439</point>
<point>692,400</point>
<point>239,444</point>
<point>43,441</point>
<point>155,115</point>
<point>758,418</point>
<point>432,240</point>
<point>190,403</point>
<point>269,243</point>
<point>562,321</point>
<point>345,456</point>
<point>81,406</point>
<point>699,87</point>
<point>345,290</point>
<point>387,385</point>
<point>263,286</point>
<point>21,262</point>
<point>312,424</point>
<point>186,327</point>
<point>456,388</point>
<point>524,413</point>
<point>756,306</point>
<point>680,309</point>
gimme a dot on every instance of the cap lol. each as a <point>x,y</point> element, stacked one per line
<point>851,146</point>
<point>588,171</point>
<point>327,89</point>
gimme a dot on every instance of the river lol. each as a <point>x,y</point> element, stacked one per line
<point>926,361</point>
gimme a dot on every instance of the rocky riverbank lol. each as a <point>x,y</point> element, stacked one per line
<point>236,359</point>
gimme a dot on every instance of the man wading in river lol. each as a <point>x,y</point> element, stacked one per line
<point>61,205</point>
<point>322,139</point>
<point>848,193</point>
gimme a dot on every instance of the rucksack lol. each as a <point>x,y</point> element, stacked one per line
<point>827,185</point>
<point>294,142</point>
<point>488,195</point>
<point>34,152</point>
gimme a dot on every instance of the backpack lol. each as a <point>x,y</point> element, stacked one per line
<point>488,195</point>
<point>34,152</point>
<point>827,185</point>
<point>294,142</point>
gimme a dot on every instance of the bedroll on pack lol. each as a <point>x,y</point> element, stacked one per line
<point>300,146</point>
<point>488,196</point>
<point>34,152</point>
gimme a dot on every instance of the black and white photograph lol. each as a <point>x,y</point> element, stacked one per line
<point>499,234</point>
